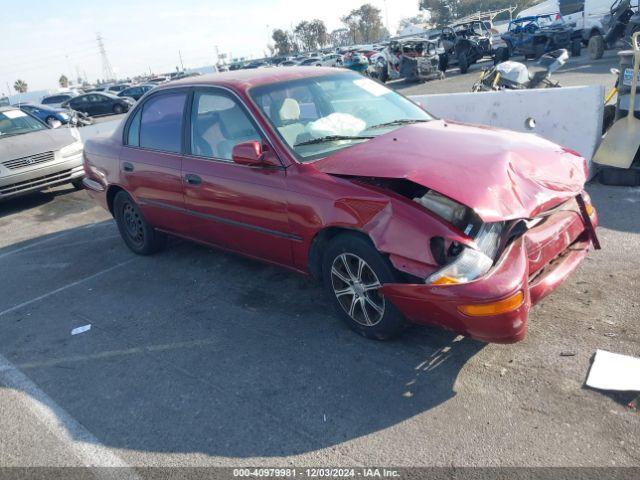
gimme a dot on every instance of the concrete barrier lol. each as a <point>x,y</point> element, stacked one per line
<point>568,116</point>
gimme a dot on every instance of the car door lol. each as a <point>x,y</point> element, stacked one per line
<point>151,159</point>
<point>103,104</point>
<point>80,104</point>
<point>238,207</point>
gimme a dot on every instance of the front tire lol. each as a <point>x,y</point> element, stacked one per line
<point>576,47</point>
<point>353,270</point>
<point>463,62</point>
<point>118,109</point>
<point>140,237</point>
<point>595,47</point>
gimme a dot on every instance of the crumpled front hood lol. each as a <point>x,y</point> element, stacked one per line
<point>500,174</point>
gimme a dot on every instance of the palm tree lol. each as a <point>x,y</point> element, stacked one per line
<point>20,86</point>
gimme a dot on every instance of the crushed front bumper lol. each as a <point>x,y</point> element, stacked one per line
<point>534,264</point>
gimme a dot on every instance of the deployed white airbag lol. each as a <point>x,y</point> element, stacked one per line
<point>336,124</point>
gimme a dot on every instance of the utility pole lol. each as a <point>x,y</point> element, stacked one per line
<point>181,64</point>
<point>107,71</point>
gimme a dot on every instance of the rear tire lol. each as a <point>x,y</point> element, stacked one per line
<point>443,62</point>
<point>140,237</point>
<point>77,184</point>
<point>463,62</point>
<point>595,47</point>
<point>352,270</point>
<point>576,47</point>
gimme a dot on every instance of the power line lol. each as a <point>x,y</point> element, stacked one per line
<point>107,71</point>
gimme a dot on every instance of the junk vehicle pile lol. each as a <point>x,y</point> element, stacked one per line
<point>413,59</point>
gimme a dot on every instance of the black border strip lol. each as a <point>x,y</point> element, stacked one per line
<point>226,221</point>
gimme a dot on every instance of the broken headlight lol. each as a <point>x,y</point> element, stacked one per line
<point>471,263</point>
<point>444,207</point>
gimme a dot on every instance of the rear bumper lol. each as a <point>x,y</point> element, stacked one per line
<point>551,260</point>
<point>34,179</point>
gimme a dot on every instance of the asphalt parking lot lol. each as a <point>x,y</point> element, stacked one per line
<point>197,357</point>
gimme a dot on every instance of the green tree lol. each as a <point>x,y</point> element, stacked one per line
<point>20,86</point>
<point>419,20</point>
<point>340,37</point>
<point>63,81</point>
<point>365,24</point>
<point>444,12</point>
<point>282,42</point>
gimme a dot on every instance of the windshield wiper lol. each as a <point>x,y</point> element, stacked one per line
<point>404,121</point>
<point>331,138</point>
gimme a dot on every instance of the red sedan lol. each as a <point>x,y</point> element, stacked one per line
<point>404,217</point>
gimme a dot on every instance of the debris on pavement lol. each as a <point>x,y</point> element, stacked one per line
<point>567,354</point>
<point>613,371</point>
<point>82,329</point>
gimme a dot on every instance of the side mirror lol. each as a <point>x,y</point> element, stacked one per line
<point>55,123</point>
<point>251,153</point>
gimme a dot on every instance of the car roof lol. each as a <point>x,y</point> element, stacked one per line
<point>246,79</point>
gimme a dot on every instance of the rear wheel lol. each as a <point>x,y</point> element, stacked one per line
<point>576,47</point>
<point>443,62</point>
<point>463,61</point>
<point>139,236</point>
<point>595,47</point>
<point>353,271</point>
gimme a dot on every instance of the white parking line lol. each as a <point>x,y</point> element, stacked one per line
<point>84,445</point>
<point>57,290</point>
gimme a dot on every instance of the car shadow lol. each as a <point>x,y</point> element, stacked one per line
<point>618,207</point>
<point>32,200</point>
<point>195,350</point>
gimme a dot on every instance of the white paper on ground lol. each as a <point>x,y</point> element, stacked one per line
<point>612,371</point>
<point>82,329</point>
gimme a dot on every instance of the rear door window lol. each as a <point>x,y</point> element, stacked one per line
<point>161,122</point>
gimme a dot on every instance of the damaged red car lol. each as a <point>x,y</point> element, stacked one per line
<point>404,217</point>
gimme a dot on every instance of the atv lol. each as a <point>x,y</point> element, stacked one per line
<point>536,35</point>
<point>466,43</point>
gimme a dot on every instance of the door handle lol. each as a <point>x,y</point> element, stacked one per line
<point>127,167</point>
<point>192,179</point>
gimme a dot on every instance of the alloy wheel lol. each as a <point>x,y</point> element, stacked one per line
<point>356,285</point>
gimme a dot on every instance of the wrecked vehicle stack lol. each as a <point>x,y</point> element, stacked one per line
<point>414,59</point>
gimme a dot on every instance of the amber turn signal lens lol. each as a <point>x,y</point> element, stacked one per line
<point>482,309</point>
<point>444,280</point>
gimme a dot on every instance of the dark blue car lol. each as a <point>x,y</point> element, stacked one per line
<point>46,114</point>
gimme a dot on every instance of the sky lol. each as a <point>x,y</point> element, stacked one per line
<point>44,39</point>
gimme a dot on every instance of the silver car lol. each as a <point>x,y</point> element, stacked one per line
<point>34,156</point>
